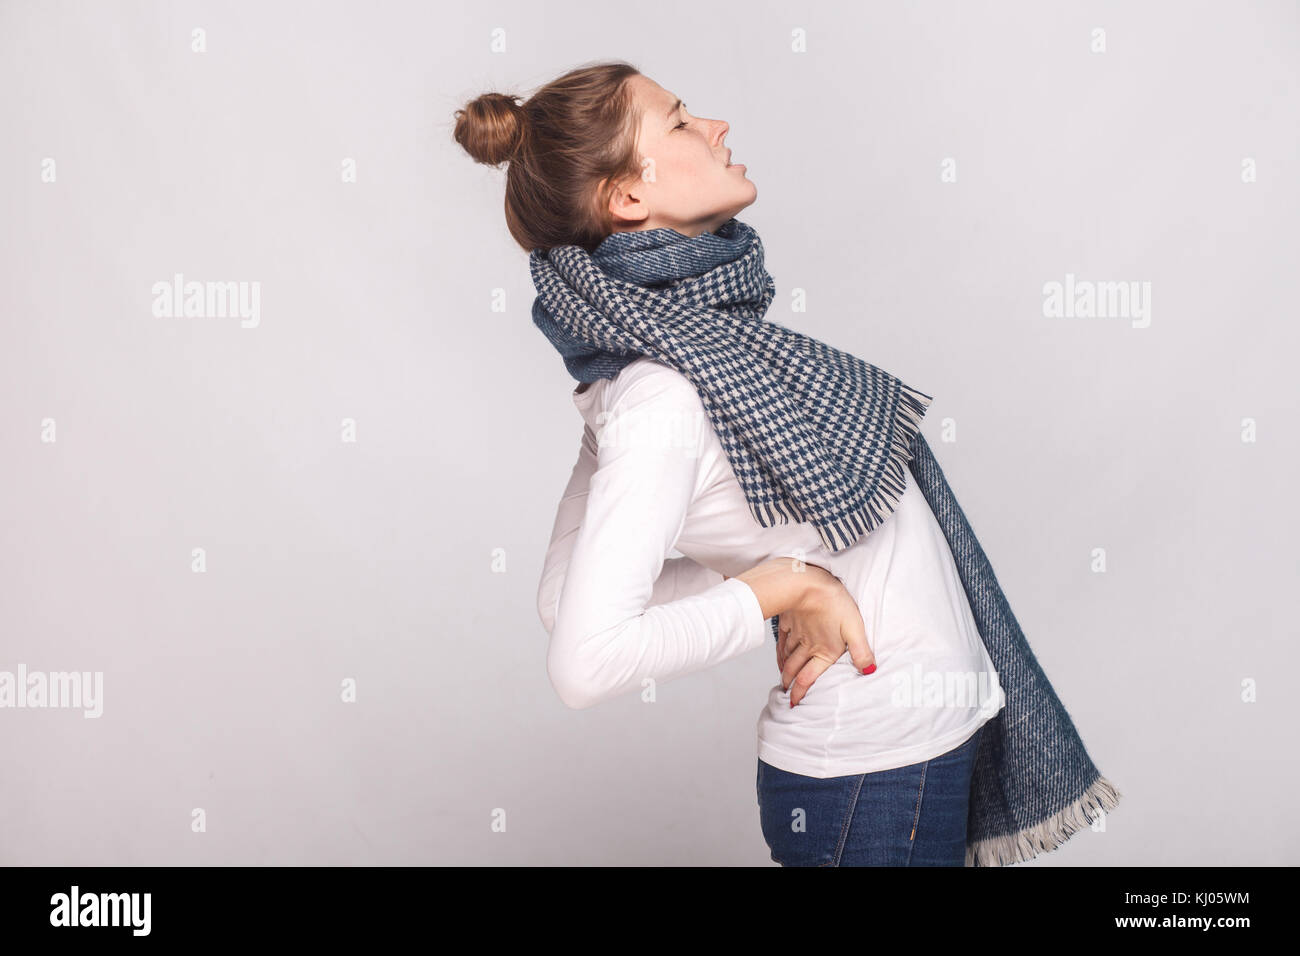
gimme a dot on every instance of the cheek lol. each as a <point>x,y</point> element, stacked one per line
<point>661,160</point>
<point>677,165</point>
<point>694,175</point>
<point>673,177</point>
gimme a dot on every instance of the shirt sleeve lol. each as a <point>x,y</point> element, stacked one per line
<point>680,577</point>
<point>564,530</point>
<point>607,632</point>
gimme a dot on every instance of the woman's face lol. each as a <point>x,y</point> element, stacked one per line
<point>686,181</point>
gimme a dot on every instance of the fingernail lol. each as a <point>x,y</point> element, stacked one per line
<point>791,703</point>
<point>869,669</point>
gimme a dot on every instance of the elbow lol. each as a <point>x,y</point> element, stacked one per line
<point>570,682</point>
<point>575,694</point>
<point>573,698</point>
<point>573,674</point>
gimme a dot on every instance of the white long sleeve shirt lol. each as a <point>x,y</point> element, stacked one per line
<point>651,481</point>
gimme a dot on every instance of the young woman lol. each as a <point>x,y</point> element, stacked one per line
<point>658,565</point>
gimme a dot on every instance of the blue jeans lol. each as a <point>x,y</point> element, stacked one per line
<point>909,816</point>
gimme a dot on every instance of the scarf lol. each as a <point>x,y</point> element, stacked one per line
<point>818,435</point>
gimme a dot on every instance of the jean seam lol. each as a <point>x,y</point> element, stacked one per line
<point>916,817</point>
<point>847,823</point>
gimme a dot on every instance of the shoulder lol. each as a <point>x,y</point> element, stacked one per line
<point>647,381</point>
<point>652,406</point>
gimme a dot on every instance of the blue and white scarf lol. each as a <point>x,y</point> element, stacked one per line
<point>818,435</point>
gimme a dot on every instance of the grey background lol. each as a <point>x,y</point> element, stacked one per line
<point>374,560</point>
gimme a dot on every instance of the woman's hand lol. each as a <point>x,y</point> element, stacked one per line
<point>817,619</point>
<point>817,631</point>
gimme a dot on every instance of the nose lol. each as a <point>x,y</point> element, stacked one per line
<point>723,129</point>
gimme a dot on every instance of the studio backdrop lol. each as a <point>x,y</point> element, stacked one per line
<point>282,447</point>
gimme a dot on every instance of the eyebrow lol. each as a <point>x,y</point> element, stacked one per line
<point>676,107</point>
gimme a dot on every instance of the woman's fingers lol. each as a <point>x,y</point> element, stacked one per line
<point>813,669</point>
<point>786,624</point>
<point>854,633</point>
<point>797,654</point>
<point>809,643</point>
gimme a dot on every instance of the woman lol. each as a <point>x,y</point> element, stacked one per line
<point>654,294</point>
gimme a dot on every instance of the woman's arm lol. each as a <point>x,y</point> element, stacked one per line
<point>606,636</point>
<point>680,577</point>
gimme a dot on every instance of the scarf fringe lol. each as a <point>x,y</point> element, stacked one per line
<point>1046,836</point>
<point>843,532</point>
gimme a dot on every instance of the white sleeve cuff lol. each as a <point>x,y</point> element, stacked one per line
<point>751,611</point>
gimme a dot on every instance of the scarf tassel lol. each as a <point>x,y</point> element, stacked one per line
<point>841,533</point>
<point>1022,846</point>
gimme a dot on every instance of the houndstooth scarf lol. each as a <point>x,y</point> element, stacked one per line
<point>818,435</point>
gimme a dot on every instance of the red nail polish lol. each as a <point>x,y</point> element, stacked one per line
<point>869,669</point>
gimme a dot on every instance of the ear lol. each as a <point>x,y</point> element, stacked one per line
<point>625,205</point>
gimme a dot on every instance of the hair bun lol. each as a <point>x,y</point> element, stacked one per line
<point>490,127</point>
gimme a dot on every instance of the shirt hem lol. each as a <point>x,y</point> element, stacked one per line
<point>889,760</point>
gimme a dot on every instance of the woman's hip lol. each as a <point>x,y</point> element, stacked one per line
<point>907,816</point>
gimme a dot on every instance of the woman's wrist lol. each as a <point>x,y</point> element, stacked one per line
<point>783,584</point>
<point>818,583</point>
